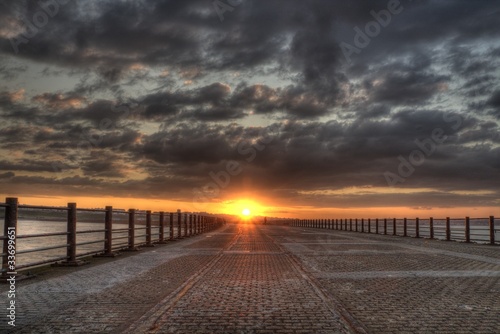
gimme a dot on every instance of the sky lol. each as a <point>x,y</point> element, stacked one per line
<point>319,109</point>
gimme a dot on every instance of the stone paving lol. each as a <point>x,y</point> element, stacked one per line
<point>404,285</point>
<point>272,279</point>
<point>252,287</point>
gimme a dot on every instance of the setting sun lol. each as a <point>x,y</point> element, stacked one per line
<point>245,212</point>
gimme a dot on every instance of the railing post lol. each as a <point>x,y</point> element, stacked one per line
<point>362,225</point>
<point>448,230</point>
<point>71,260</point>
<point>131,230</point>
<point>350,224</point>
<point>385,226</point>
<point>9,230</point>
<point>171,226</point>
<point>108,222</point>
<point>376,225</point>
<point>394,227</point>
<point>195,218</point>
<point>162,228</point>
<point>185,225</point>
<point>405,227</point>
<point>108,234</point>
<point>71,238</point>
<point>369,226</point>
<point>190,224</point>
<point>417,227</point>
<point>492,229</point>
<point>356,224</point>
<point>179,224</point>
<point>431,227</point>
<point>148,229</point>
<point>467,229</point>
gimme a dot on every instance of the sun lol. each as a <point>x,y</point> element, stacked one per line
<point>246,212</point>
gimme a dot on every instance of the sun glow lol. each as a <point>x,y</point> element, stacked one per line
<point>246,212</point>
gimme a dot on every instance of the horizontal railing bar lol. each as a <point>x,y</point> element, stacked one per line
<point>90,210</point>
<point>25,236</point>
<point>25,206</point>
<point>89,242</point>
<point>118,238</point>
<point>120,230</point>
<point>90,231</point>
<point>41,249</point>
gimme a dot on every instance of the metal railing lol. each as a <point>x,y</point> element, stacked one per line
<point>151,228</point>
<point>479,230</point>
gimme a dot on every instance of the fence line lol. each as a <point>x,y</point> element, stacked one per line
<point>188,224</point>
<point>431,228</point>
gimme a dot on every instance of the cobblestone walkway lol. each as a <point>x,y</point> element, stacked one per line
<point>272,279</point>
<point>403,285</point>
<point>251,287</point>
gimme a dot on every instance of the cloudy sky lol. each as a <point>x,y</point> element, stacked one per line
<point>294,108</point>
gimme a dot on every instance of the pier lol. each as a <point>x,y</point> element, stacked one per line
<point>274,278</point>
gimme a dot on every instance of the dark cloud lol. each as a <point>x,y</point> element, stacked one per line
<point>152,97</point>
<point>494,101</point>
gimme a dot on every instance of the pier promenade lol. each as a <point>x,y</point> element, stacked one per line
<point>245,278</point>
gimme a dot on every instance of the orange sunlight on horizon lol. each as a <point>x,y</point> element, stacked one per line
<point>253,208</point>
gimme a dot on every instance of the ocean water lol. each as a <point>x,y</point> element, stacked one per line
<point>29,227</point>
